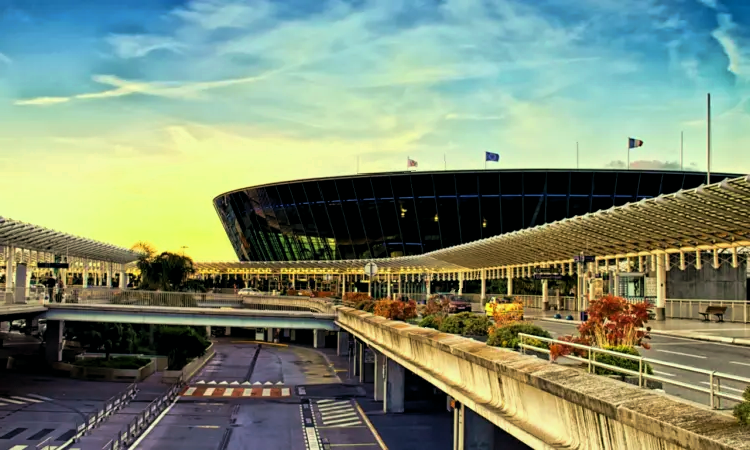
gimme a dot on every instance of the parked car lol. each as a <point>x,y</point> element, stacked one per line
<point>459,305</point>
<point>249,292</point>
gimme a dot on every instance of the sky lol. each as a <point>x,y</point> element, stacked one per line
<point>121,120</point>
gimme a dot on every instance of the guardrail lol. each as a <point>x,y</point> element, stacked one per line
<point>133,430</point>
<point>15,296</point>
<point>737,310</point>
<point>714,378</point>
<point>110,406</point>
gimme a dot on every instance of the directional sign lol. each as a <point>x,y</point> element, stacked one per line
<point>547,273</point>
<point>371,269</point>
<point>583,259</point>
<point>52,265</point>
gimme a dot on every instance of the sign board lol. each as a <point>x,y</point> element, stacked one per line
<point>54,265</point>
<point>369,356</point>
<point>547,273</point>
<point>371,269</point>
<point>584,259</point>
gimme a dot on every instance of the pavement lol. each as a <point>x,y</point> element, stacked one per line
<point>267,396</point>
<point>709,356</point>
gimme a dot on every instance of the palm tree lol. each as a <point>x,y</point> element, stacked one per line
<point>166,271</point>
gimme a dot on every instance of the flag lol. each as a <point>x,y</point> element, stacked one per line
<point>489,156</point>
<point>410,163</point>
<point>633,143</point>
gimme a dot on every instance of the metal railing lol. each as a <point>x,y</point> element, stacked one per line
<point>110,407</point>
<point>142,420</point>
<point>562,303</point>
<point>14,296</point>
<point>715,395</point>
<point>737,310</point>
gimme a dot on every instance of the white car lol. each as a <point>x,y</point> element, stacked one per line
<point>247,292</point>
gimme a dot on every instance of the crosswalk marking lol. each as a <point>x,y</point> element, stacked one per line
<point>338,413</point>
<point>48,447</point>
<point>266,392</point>
<point>286,392</point>
<point>40,397</point>
<point>190,391</point>
<point>200,391</point>
<point>9,400</point>
<point>247,392</point>
<point>24,399</point>
<point>209,391</point>
<point>228,392</point>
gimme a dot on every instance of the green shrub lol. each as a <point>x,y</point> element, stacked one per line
<point>117,362</point>
<point>431,321</point>
<point>370,307</point>
<point>742,410</point>
<point>180,345</point>
<point>365,305</point>
<point>507,336</point>
<point>625,363</point>
<point>465,323</point>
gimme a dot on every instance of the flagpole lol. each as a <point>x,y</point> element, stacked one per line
<point>628,154</point>
<point>682,140</point>
<point>577,166</point>
<point>708,138</point>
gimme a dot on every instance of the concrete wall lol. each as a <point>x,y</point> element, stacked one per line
<point>175,376</point>
<point>106,374</point>
<point>724,283</point>
<point>546,405</point>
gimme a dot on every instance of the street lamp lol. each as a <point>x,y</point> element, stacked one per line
<point>183,249</point>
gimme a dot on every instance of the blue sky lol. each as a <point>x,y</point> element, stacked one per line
<point>135,112</point>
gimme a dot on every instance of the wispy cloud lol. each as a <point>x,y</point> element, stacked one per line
<point>650,165</point>
<point>139,45</point>
<point>5,59</point>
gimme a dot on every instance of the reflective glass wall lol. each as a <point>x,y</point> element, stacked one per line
<point>376,216</point>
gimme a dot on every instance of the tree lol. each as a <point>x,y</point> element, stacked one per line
<point>179,345</point>
<point>166,271</point>
<point>105,337</point>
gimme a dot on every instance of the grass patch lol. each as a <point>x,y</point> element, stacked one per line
<point>116,362</point>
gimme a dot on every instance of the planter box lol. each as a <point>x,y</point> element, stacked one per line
<point>161,361</point>
<point>175,376</point>
<point>107,374</point>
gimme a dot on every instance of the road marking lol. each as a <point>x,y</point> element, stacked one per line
<point>209,392</point>
<point>24,399</point>
<point>343,417</point>
<point>724,387</point>
<point>228,392</point>
<point>247,392</point>
<point>335,409</point>
<point>190,391</point>
<point>41,397</point>
<point>3,404</point>
<point>18,447</point>
<point>324,401</point>
<point>266,392</point>
<point>212,427</point>
<point>664,373</point>
<point>371,427</point>
<point>312,438</point>
<point>153,425</point>
<point>355,445</point>
<point>682,354</point>
<point>740,363</point>
<point>285,392</point>
<point>8,400</point>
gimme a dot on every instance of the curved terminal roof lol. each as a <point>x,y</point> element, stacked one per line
<point>709,217</point>
<point>33,237</point>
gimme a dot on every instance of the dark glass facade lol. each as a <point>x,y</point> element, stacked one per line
<point>396,214</point>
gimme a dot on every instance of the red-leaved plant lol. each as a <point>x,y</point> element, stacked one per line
<point>396,309</point>
<point>612,322</point>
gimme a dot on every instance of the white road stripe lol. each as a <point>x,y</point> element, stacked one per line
<point>325,401</point>
<point>3,404</point>
<point>209,392</point>
<point>247,392</point>
<point>724,388</point>
<point>312,438</point>
<point>41,397</point>
<point>664,373</point>
<point>266,392</point>
<point>333,405</point>
<point>24,399</point>
<point>332,417</point>
<point>337,421</point>
<point>190,391</point>
<point>18,447</point>
<point>334,408</point>
<point>285,392</point>
<point>228,392</point>
<point>682,354</point>
<point>347,424</point>
<point>740,363</point>
<point>8,400</point>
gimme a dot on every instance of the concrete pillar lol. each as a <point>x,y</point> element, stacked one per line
<point>228,331</point>
<point>319,338</point>
<point>472,431</point>
<point>354,369</point>
<point>510,280</point>
<point>342,343</point>
<point>85,273</point>
<point>54,340</point>
<point>460,283</point>
<point>380,362</point>
<point>123,280</point>
<point>10,266</point>
<point>395,387</point>
<point>109,276</point>
<point>428,283</point>
<point>399,286</point>
<point>388,280</point>
<point>661,287</point>
<point>293,335</point>
<point>208,331</point>
<point>21,276</point>
<point>483,288</point>
<point>545,295</point>
<point>366,366</point>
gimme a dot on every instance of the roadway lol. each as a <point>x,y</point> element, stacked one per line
<point>726,358</point>
<point>267,396</point>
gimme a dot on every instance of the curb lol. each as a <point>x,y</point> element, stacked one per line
<point>743,342</point>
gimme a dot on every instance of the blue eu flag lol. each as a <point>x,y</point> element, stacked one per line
<point>488,156</point>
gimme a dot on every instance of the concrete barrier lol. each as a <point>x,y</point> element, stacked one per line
<point>175,376</point>
<point>161,361</point>
<point>107,374</point>
<point>546,405</point>
<point>307,303</point>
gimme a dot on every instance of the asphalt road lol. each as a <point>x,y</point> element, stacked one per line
<point>268,397</point>
<point>725,358</point>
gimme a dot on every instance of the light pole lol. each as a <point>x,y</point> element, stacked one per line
<point>183,249</point>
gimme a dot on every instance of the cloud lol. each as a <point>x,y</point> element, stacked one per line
<point>5,59</point>
<point>216,14</point>
<point>139,45</point>
<point>649,165</point>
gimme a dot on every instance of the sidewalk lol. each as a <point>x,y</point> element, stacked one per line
<point>724,332</point>
<point>148,390</point>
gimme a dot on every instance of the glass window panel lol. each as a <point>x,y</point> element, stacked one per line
<point>448,217</point>
<point>368,209</point>
<point>512,213</point>
<point>288,240</point>
<point>489,183</point>
<point>422,185</point>
<point>445,184</point>
<point>406,214</point>
<point>650,185</point>
<point>692,181</point>
<point>312,191</point>
<point>558,183</point>
<point>471,220</point>
<point>600,203</point>
<point>466,183</point>
<point>351,211</point>
<point>426,211</point>
<point>295,223</point>
<point>510,184</point>
<point>623,200</point>
<point>319,218</point>
<point>533,183</point>
<point>671,183</point>
<point>579,206</point>
<point>306,220</point>
<point>491,218</point>
<point>533,211</point>
<point>389,216</point>
<point>557,208</point>
<point>327,191</point>
<point>604,183</point>
<point>627,184</point>
<point>580,183</point>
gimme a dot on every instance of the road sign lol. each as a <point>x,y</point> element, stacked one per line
<point>53,265</point>
<point>547,273</point>
<point>371,269</point>
<point>583,259</point>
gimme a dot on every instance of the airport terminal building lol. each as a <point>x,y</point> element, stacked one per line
<point>411,213</point>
